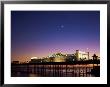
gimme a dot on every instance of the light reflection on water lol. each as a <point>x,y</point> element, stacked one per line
<point>48,71</point>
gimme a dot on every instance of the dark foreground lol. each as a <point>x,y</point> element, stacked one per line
<point>49,70</point>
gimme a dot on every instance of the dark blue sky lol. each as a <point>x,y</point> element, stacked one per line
<point>40,33</point>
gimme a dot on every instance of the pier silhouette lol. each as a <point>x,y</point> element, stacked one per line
<point>57,69</point>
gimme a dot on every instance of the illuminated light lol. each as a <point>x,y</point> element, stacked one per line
<point>34,58</point>
<point>50,55</point>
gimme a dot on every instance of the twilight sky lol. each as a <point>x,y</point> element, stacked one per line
<point>41,33</point>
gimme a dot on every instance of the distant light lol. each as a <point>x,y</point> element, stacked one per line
<point>50,55</point>
<point>34,58</point>
<point>73,59</point>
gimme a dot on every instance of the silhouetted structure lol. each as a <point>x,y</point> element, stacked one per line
<point>95,59</point>
<point>15,62</point>
<point>96,69</point>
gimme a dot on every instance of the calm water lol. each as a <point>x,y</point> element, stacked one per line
<point>52,71</point>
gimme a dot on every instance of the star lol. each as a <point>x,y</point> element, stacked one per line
<point>59,29</point>
<point>62,26</point>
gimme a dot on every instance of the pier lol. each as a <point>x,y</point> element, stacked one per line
<point>56,70</point>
